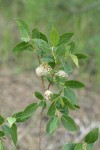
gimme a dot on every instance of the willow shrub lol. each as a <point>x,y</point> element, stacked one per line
<point>56,59</point>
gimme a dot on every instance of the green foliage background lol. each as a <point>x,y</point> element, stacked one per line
<point>79,16</point>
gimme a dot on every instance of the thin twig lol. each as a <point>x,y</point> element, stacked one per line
<point>41,114</point>
<point>40,130</point>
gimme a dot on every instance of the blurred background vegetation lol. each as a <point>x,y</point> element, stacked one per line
<point>79,16</point>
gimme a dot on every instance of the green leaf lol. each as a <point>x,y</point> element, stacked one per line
<point>24,30</point>
<point>92,136</point>
<point>60,51</point>
<point>79,146</point>
<point>89,146</point>
<point>75,59</point>
<point>6,130</point>
<point>69,104</point>
<point>19,118</point>
<point>69,146</point>
<point>68,123</point>
<point>14,134</point>
<point>68,93</point>
<point>74,84</point>
<point>52,125</point>
<point>54,37</point>
<point>47,59</point>
<point>42,104</point>
<point>72,46</point>
<point>39,95</point>
<point>42,45</point>
<point>81,56</point>
<point>38,35</point>
<point>51,110</point>
<point>1,146</point>
<point>1,120</point>
<point>63,39</point>
<point>29,110</point>
<point>11,121</point>
<point>21,47</point>
<point>2,134</point>
<point>63,109</point>
<point>67,67</point>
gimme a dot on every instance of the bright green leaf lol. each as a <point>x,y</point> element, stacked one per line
<point>68,123</point>
<point>11,120</point>
<point>92,136</point>
<point>1,146</point>
<point>75,59</point>
<point>54,36</point>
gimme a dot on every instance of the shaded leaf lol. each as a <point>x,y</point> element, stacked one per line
<point>38,35</point>
<point>89,146</point>
<point>6,130</point>
<point>1,120</point>
<point>51,110</point>
<point>14,134</point>
<point>21,47</point>
<point>2,134</point>
<point>72,46</point>
<point>68,93</point>
<point>74,84</point>
<point>68,123</point>
<point>67,67</point>
<point>81,56</point>
<point>42,45</point>
<point>69,146</point>
<point>29,110</point>
<point>47,59</point>
<point>52,125</point>
<point>64,38</point>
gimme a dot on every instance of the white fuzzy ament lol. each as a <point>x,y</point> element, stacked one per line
<point>43,70</point>
<point>47,94</point>
<point>61,73</point>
